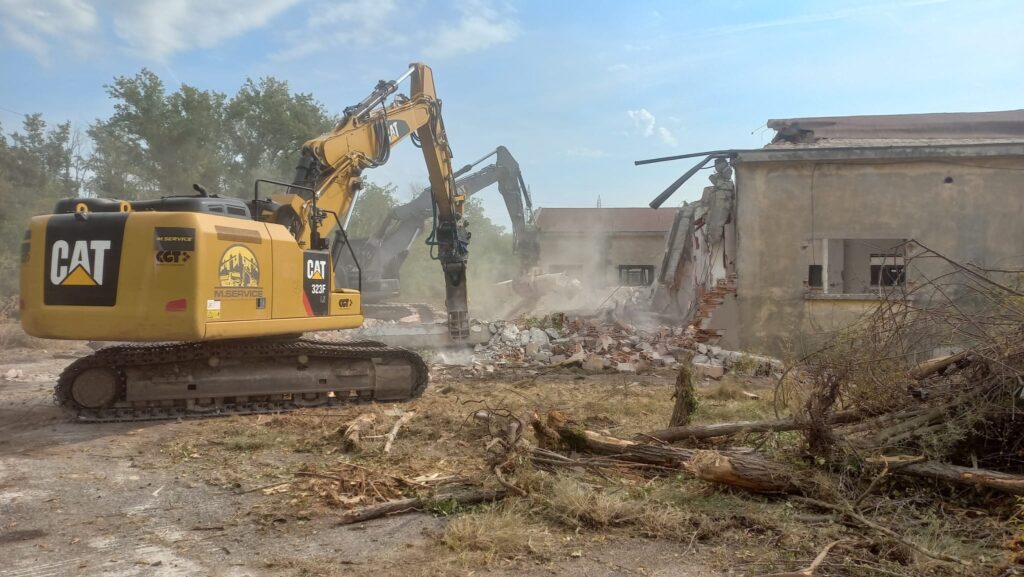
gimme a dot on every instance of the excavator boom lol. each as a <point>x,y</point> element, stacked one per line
<point>332,165</point>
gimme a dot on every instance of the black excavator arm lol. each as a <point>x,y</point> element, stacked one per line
<point>381,256</point>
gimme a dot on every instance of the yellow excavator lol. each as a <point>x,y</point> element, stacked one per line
<point>211,294</point>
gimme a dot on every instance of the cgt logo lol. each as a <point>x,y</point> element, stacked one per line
<point>172,256</point>
<point>78,263</point>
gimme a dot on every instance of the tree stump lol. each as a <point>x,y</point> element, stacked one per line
<point>686,399</point>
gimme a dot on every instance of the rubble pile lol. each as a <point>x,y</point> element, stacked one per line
<point>597,346</point>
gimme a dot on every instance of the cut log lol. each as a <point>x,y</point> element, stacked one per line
<point>700,432</point>
<point>932,366</point>
<point>686,399</point>
<point>390,439</point>
<point>411,504</point>
<point>744,471</point>
<point>350,440</point>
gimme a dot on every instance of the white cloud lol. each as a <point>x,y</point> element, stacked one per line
<point>155,28</point>
<point>34,24</point>
<point>161,28</point>
<point>585,152</point>
<point>618,68</point>
<point>646,124</point>
<point>381,24</point>
<point>667,137</point>
<point>643,121</point>
<point>479,27</point>
<point>333,24</point>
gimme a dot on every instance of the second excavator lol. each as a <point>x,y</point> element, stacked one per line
<point>212,293</point>
<point>379,258</point>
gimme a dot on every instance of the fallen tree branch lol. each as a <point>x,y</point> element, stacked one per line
<point>932,366</point>
<point>1004,482</point>
<point>494,421</point>
<point>810,569</point>
<point>350,439</point>
<point>745,471</point>
<point>864,521</point>
<point>499,475</point>
<point>390,438</point>
<point>411,504</point>
<point>700,432</point>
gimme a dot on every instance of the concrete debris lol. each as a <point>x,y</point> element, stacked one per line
<point>593,364</point>
<point>14,374</point>
<point>709,371</point>
<point>599,345</point>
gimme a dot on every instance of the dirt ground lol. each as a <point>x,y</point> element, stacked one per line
<point>122,499</point>
<point>262,495</point>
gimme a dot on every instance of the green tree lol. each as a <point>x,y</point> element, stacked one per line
<point>158,144</point>
<point>372,206</point>
<point>35,170</point>
<point>266,126</point>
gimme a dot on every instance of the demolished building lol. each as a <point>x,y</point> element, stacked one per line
<point>812,230</point>
<point>603,247</point>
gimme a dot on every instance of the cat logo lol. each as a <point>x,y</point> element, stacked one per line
<point>239,268</point>
<point>315,269</point>
<point>78,263</point>
<point>82,258</point>
<point>397,129</point>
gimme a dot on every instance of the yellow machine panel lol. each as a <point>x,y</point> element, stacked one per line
<point>159,276</point>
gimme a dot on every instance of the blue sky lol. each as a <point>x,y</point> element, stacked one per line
<point>576,90</point>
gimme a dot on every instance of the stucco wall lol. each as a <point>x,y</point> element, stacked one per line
<point>783,206</point>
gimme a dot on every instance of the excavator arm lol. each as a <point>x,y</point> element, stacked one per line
<point>332,165</point>
<point>505,171</point>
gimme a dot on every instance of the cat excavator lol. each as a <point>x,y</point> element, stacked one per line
<point>380,257</point>
<point>211,294</point>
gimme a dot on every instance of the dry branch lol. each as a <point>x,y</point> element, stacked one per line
<point>810,569</point>
<point>411,504</point>
<point>498,420</point>
<point>390,438</point>
<point>350,440</point>
<point>865,522</point>
<point>1004,482</point>
<point>932,366</point>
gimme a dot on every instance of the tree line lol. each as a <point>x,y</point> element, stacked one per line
<point>158,142</point>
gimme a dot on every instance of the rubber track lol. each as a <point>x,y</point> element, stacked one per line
<point>118,357</point>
